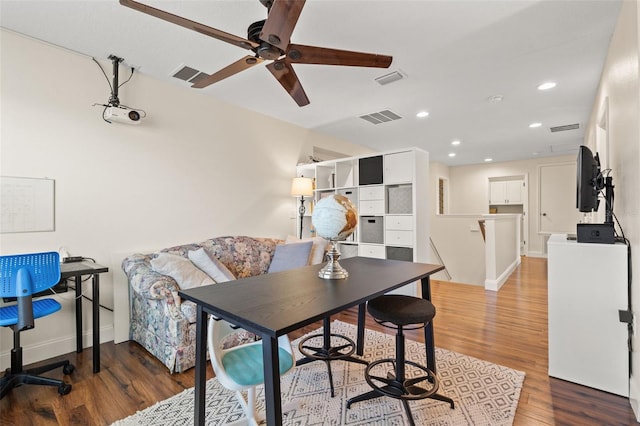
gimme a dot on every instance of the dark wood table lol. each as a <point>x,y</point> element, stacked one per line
<point>272,305</point>
<point>76,270</point>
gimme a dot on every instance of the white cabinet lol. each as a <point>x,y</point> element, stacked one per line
<point>587,286</point>
<point>390,190</point>
<point>398,167</point>
<point>506,191</point>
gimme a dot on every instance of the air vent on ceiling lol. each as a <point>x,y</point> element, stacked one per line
<point>381,117</point>
<point>565,127</point>
<point>389,78</point>
<point>189,74</point>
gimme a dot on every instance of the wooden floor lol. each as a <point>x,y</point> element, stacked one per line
<point>508,328</point>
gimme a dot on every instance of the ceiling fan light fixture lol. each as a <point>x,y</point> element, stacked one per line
<point>390,77</point>
<point>547,85</point>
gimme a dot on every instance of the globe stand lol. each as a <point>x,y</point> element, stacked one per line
<point>332,270</point>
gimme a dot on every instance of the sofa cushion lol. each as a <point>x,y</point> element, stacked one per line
<point>186,274</point>
<point>211,266</point>
<point>318,249</point>
<point>289,256</point>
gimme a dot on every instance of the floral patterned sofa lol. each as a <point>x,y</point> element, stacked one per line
<point>162,323</point>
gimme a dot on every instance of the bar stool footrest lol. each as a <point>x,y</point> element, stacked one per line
<point>407,389</point>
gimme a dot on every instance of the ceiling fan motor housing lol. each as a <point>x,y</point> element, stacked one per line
<point>264,50</point>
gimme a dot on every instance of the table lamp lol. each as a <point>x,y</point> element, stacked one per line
<point>302,187</point>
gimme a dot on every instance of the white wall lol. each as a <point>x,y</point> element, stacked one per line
<point>195,168</point>
<point>470,188</point>
<point>620,89</point>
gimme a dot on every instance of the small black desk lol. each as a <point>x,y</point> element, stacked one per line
<point>272,305</point>
<point>77,270</point>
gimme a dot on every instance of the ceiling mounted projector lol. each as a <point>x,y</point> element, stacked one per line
<point>118,114</point>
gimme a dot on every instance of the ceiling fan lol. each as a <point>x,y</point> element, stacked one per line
<point>269,39</point>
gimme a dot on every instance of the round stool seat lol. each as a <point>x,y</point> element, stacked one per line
<point>401,310</point>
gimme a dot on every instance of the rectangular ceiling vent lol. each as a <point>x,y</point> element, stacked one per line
<point>189,74</point>
<point>381,117</point>
<point>389,78</point>
<point>564,128</point>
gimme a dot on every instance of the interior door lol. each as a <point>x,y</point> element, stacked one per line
<point>558,213</point>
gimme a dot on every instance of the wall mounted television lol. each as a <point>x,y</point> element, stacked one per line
<point>589,180</point>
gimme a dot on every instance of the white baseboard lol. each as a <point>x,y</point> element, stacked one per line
<point>495,285</point>
<point>51,348</point>
<point>537,254</point>
<point>634,394</point>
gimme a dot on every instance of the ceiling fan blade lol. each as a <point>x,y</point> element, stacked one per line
<point>283,72</point>
<point>281,21</point>
<point>192,25</point>
<point>324,56</point>
<point>228,71</point>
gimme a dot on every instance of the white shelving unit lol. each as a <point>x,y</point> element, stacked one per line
<point>390,190</point>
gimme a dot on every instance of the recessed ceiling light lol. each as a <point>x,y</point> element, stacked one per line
<point>495,99</point>
<point>452,154</point>
<point>455,143</point>
<point>546,86</point>
<point>534,125</point>
<point>488,159</point>
<point>422,114</point>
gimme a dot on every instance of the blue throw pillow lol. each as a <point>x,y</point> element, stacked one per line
<point>290,256</point>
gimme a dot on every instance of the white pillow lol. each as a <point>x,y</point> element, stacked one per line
<point>186,274</point>
<point>318,249</point>
<point>211,266</point>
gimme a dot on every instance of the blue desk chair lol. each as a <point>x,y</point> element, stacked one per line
<point>21,276</point>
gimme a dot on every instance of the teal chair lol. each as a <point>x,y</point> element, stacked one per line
<point>240,368</point>
<point>21,276</point>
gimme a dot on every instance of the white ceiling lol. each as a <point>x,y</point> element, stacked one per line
<point>455,55</point>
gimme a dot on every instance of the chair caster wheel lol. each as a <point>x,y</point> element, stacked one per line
<point>68,369</point>
<point>64,389</point>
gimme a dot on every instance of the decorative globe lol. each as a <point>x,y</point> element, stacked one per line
<point>334,217</point>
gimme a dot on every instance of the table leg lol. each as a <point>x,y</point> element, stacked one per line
<point>361,325</point>
<point>78,314</point>
<point>201,365</point>
<point>96,323</point>
<point>428,330</point>
<point>272,380</point>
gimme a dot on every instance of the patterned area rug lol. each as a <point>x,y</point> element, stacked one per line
<point>484,393</point>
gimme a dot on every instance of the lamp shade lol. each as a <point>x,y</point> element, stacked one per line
<point>302,187</point>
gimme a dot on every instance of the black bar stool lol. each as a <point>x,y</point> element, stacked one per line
<point>388,377</point>
<point>317,347</point>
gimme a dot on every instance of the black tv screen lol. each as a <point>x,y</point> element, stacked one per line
<point>589,180</point>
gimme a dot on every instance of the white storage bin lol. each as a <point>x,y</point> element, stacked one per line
<point>372,193</point>
<point>371,207</point>
<point>400,223</point>
<point>370,250</point>
<point>403,238</point>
